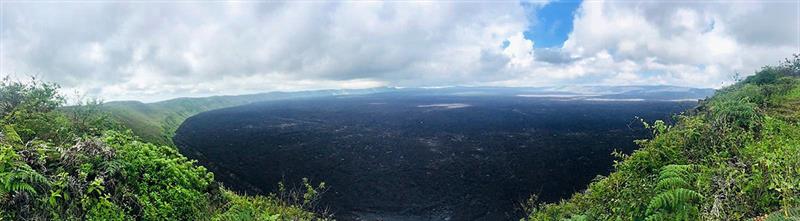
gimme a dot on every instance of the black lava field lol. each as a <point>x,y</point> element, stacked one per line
<point>412,156</point>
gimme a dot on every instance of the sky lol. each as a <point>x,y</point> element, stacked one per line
<point>150,51</point>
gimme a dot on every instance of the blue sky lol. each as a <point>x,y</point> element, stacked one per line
<point>159,50</point>
<point>552,23</point>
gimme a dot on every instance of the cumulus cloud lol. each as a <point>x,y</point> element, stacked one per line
<point>153,51</point>
<point>159,50</point>
<point>687,43</point>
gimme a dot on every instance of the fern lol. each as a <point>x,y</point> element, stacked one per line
<point>671,183</point>
<point>16,176</point>
<point>21,180</point>
<point>676,201</point>
<point>687,172</point>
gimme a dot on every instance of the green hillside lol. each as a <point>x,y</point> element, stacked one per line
<point>157,122</point>
<point>74,164</point>
<point>735,157</point>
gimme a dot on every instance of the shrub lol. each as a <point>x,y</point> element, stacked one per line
<point>72,164</point>
<point>744,151</point>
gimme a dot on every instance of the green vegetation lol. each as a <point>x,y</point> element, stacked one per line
<point>736,157</point>
<point>75,163</point>
<point>157,122</point>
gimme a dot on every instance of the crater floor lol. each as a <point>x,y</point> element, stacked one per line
<point>420,157</point>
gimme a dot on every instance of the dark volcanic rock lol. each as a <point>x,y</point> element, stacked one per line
<point>415,157</point>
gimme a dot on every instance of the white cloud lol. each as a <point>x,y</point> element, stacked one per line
<point>694,44</point>
<point>519,51</point>
<point>162,50</point>
<point>153,51</point>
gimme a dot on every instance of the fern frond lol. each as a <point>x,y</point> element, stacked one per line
<point>675,200</point>
<point>21,187</point>
<point>670,183</point>
<point>683,171</point>
<point>22,179</point>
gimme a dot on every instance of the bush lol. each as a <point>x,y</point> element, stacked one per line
<point>748,154</point>
<point>71,163</point>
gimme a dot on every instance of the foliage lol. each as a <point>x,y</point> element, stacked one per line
<point>157,122</point>
<point>735,157</point>
<point>260,208</point>
<point>27,109</point>
<point>677,200</point>
<point>73,163</point>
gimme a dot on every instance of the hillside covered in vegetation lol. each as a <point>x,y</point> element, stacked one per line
<point>76,164</point>
<point>735,157</point>
<point>156,122</point>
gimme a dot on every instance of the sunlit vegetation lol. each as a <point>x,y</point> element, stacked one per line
<point>735,157</point>
<point>75,163</point>
<point>156,122</point>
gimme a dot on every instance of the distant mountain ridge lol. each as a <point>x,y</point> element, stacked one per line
<point>156,122</point>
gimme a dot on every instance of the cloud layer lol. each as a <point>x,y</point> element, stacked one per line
<point>153,51</point>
